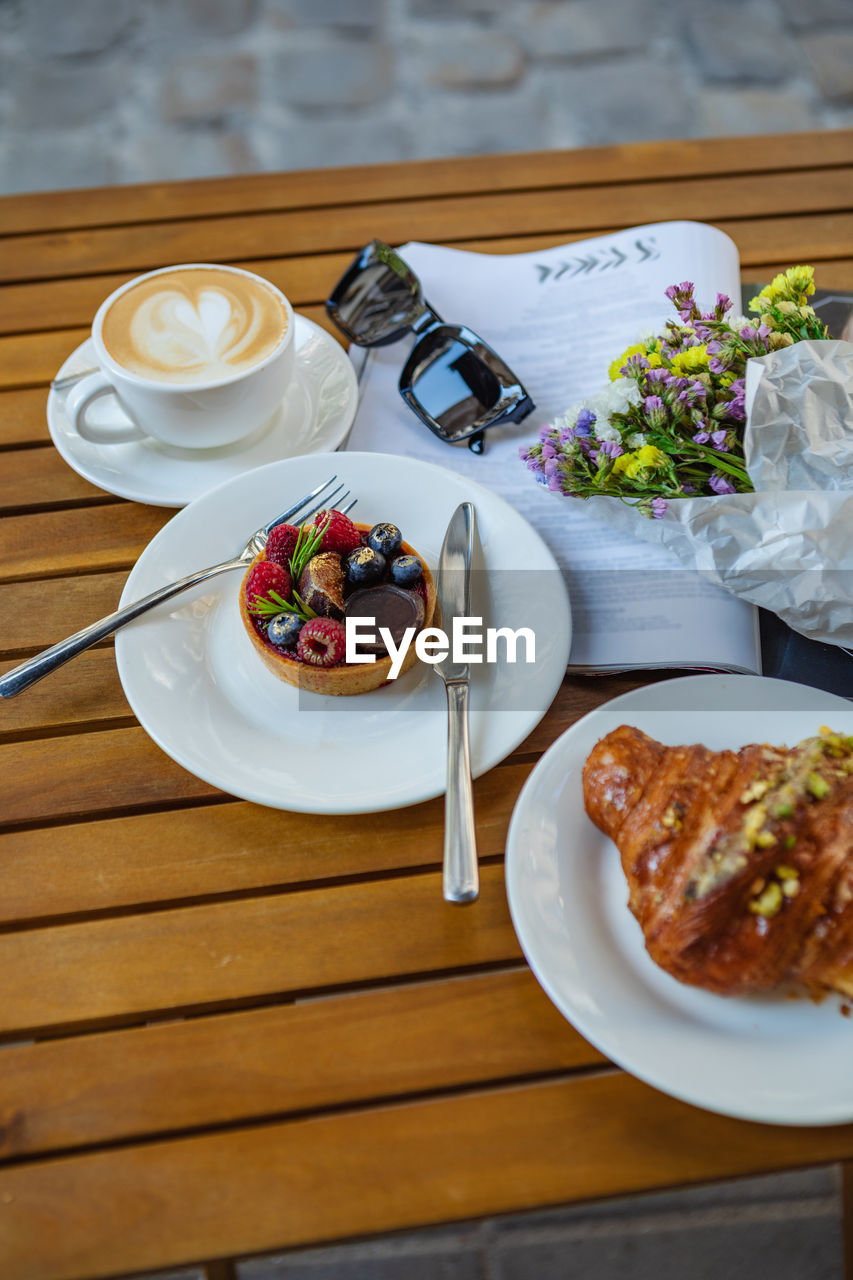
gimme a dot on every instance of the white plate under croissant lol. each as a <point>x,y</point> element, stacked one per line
<point>779,1056</point>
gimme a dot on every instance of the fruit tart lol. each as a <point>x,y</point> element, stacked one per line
<point>296,596</point>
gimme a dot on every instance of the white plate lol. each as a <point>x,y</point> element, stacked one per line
<point>314,416</point>
<point>196,684</point>
<point>767,1058</point>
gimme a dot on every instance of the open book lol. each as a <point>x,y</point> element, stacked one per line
<point>559,317</point>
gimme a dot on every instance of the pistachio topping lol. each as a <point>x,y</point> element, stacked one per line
<point>758,788</point>
<point>769,902</point>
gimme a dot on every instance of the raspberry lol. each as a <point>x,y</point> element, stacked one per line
<point>341,535</point>
<point>266,577</point>
<point>322,642</point>
<point>280,544</point>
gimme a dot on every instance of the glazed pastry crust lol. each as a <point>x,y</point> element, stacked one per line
<point>739,864</point>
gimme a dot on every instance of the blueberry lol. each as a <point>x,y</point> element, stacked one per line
<point>283,630</point>
<point>406,571</point>
<point>386,539</point>
<point>364,566</point>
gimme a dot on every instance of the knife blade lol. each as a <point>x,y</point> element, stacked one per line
<point>453,590</point>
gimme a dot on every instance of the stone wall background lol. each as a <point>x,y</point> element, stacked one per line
<point>111,91</point>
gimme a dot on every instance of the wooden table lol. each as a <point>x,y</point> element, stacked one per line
<point>232,1030</point>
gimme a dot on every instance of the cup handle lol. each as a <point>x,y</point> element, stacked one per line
<point>78,400</point>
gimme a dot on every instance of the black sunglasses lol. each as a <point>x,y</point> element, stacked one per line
<point>456,384</point>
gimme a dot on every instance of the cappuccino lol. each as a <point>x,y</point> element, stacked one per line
<point>194,325</point>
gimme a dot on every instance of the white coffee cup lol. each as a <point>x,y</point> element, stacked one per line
<point>216,383</point>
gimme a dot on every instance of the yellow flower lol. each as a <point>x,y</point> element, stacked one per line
<point>691,360</point>
<point>638,349</point>
<point>649,458</point>
<point>793,285</point>
<point>615,370</point>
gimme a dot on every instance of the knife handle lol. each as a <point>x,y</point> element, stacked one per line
<point>461,878</point>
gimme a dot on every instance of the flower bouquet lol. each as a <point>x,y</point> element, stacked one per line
<point>729,440</point>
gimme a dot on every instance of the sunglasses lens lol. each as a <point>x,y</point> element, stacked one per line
<point>460,384</point>
<point>378,298</point>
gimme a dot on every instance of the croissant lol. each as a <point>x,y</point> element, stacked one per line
<point>739,863</point>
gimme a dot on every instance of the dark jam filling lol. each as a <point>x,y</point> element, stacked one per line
<point>260,624</point>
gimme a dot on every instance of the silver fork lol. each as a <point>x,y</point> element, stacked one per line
<point>21,677</point>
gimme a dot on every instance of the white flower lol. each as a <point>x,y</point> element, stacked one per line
<point>568,419</point>
<point>604,430</point>
<point>616,397</point>
<point>636,441</point>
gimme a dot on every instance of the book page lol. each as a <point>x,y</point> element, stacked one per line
<point>558,317</point>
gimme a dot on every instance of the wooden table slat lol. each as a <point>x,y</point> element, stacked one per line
<point>134,967</point>
<point>286,1185</point>
<point>61,304</point>
<point>416,179</point>
<point>100,538</point>
<point>212,850</point>
<point>74,602</point>
<point>251,1065</point>
<point>101,772</point>
<point>262,235</point>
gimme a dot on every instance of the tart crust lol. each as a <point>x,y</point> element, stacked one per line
<point>340,681</point>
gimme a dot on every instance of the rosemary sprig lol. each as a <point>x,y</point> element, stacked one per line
<point>275,605</point>
<point>307,545</point>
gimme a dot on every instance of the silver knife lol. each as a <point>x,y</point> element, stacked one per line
<point>453,588</point>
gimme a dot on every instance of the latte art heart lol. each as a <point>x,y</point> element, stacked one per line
<point>194,326</point>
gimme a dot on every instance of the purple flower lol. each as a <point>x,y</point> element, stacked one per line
<point>555,484</point>
<point>533,464</point>
<point>724,304</point>
<point>718,439</point>
<point>545,432</point>
<point>737,405</point>
<point>550,467</point>
<point>610,449</point>
<point>548,450</point>
<point>681,296</point>
<point>720,484</point>
<point>688,488</point>
<point>658,375</point>
<point>585,422</point>
<point>679,290</point>
<point>701,437</point>
<point>658,508</point>
<point>655,410</point>
<point>567,435</point>
<point>523,452</point>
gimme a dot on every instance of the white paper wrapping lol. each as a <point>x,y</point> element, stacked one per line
<point>789,546</point>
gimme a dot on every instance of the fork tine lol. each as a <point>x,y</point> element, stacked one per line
<point>331,500</point>
<point>303,502</point>
<point>348,508</point>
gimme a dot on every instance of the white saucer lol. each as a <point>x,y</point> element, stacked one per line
<point>314,417</point>
<point>768,1058</point>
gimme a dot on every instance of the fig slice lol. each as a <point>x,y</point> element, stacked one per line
<point>321,585</point>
